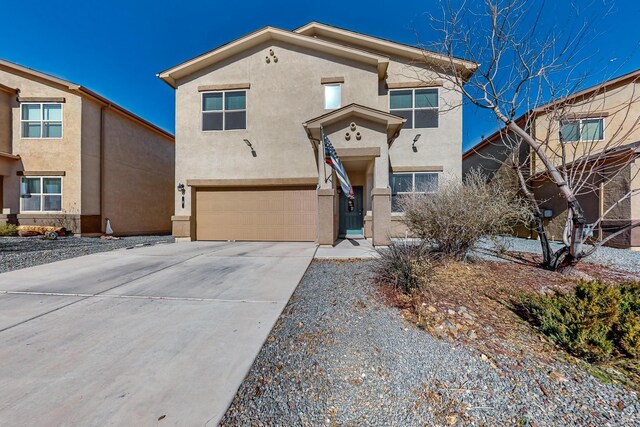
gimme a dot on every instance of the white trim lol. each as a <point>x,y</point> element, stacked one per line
<point>413,182</point>
<point>413,185</point>
<point>41,194</point>
<point>604,128</point>
<point>224,111</point>
<point>42,120</point>
<point>413,104</point>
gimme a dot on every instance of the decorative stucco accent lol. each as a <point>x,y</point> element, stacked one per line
<point>329,80</point>
<point>228,86</point>
<point>417,168</point>
<point>408,85</point>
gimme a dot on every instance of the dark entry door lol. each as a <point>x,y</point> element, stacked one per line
<point>351,222</point>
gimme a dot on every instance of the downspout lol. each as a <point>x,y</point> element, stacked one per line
<point>601,211</point>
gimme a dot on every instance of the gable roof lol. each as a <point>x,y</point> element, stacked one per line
<point>394,123</point>
<point>79,90</point>
<point>270,33</point>
<point>383,46</point>
<point>633,76</point>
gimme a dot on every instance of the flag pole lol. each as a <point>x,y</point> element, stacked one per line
<point>324,155</point>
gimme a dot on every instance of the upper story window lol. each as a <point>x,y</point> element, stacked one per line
<point>582,130</point>
<point>41,194</point>
<point>403,184</point>
<point>332,96</point>
<point>41,120</point>
<point>418,106</point>
<point>224,110</point>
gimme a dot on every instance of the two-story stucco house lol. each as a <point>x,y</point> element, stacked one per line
<point>593,137</point>
<point>249,116</point>
<point>71,158</point>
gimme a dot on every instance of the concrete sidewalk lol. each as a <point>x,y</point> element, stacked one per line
<point>148,336</point>
<point>348,249</point>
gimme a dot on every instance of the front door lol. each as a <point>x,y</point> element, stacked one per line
<point>351,222</point>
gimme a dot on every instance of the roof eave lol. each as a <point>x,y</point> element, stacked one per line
<point>83,91</point>
<point>399,49</point>
<point>357,109</point>
<point>38,74</point>
<point>8,89</point>
<point>227,50</point>
<point>486,141</point>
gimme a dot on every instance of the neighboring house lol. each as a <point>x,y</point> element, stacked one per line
<point>248,121</point>
<point>69,157</point>
<point>594,135</point>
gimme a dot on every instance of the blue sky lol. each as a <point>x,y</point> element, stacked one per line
<point>116,47</point>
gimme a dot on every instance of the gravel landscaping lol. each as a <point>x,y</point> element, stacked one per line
<point>22,252</point>
<point>623,259</point>
<point>339,356</point>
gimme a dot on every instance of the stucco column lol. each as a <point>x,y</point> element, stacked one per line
<point>326,216</point>
<point>381,199</point>
<point>381,169</point>
<point>326,196</point>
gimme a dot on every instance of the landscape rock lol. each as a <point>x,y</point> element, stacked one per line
<point>305,376</point>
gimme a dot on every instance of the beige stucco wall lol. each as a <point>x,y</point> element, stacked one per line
<point>441,146</point>
<point>138,177</point>
<point>287,93</point>
<point>282,96</point>
<point>139,163</point>
<point>5,121</point>
<point>620,107</point>
<point>90,155</point>
<point>61,154</point>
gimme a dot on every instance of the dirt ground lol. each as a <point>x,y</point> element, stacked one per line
<point>477,303</point>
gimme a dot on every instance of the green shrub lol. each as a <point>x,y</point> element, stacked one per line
<point>596,322</point>
<point>403,264</point>
<point>8,230</point>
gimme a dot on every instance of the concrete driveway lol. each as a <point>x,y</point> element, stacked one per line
<point>160,335</point>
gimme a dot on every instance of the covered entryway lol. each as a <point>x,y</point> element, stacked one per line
<point>361,137</point>
<point>256,214</point>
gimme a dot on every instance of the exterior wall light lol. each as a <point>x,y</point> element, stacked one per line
<point>181,190</point>
<point>413,146</point>
<point>253,152</point>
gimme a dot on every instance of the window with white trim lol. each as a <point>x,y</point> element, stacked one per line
<point>332,96</point>
<point>418,106</point>
<point>403,184</point>
<point>41,194</point>
<point>224,110</point>
<point>582,130</point>
<point>41,120</point>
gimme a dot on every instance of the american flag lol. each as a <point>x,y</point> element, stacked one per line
<point>331,158</point>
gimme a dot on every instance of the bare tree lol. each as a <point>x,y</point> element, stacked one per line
<point>528,64</point>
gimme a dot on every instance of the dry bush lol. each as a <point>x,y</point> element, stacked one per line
<point>458,215</point>
<point>403,264</point>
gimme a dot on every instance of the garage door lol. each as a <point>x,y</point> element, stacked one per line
<point>273,214</point>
